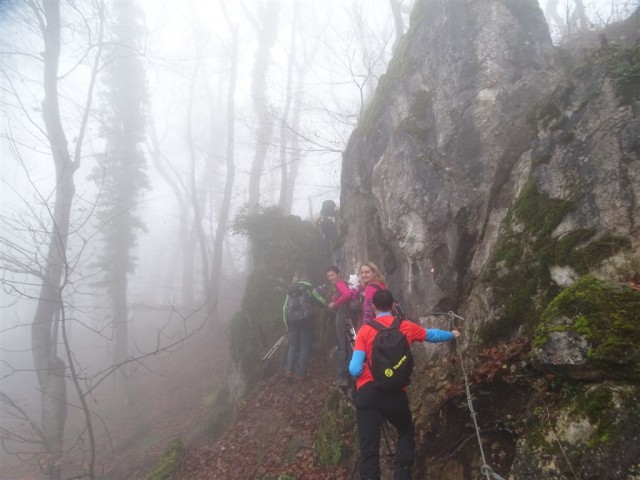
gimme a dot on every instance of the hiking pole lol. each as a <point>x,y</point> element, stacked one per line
<point>385,437</point>
<point>399,310</point>
<point>385,429</point>
<point>350,333</point>
<point>273,349</point>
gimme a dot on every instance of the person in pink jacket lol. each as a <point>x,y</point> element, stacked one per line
<point>340,303</point>
<point>371,280</point>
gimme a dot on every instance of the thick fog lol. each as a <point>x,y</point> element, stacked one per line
<point>127,157</point>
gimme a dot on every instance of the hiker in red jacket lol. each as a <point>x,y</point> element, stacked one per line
<point>376,400</point>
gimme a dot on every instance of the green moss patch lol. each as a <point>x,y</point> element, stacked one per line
<point>609,318</point>
<point>548,114</point>
<point>519,269</point>
<point>613,415</point>
<point>400,67</point>
<point>623,65</point>
<point>170,461</point>
<point>334,443</point>
<point>219,413</point>
<point>582,259</point>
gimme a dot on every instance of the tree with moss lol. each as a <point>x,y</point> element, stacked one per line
<point>121,170</point>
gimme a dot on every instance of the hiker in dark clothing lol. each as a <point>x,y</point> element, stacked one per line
<point>298,313</point>
<point>340,303</point>
<point>374,403</point>
<point>327,225</point>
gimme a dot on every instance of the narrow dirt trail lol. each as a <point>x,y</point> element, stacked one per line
<point>272,434</point>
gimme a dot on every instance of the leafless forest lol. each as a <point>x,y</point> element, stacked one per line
<point>133,133</point>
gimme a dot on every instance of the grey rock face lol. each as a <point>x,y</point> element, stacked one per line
<point>474,115</point>
<point>565,354</point>
<point>429,166</point>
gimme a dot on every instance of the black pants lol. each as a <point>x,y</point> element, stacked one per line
<point>373,406</point>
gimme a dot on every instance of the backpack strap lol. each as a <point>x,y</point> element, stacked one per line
<point>396,322</point>
<point>377,325</point>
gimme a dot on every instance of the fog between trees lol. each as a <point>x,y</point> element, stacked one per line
<point>134,132</point>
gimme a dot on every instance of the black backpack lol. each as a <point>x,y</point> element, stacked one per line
<point>299,310</point>
<point>391,362</point>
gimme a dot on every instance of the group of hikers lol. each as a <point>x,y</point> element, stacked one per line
<point>376,355</point>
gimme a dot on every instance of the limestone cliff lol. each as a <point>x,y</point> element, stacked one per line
<point>491,172</point>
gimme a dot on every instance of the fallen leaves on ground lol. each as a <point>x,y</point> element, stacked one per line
<point>272,434</point>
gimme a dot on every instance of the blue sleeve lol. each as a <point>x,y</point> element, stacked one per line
<point>435,336</point>
<point>357,363</point>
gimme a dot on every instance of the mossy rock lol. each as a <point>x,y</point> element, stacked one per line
<point>336,439</point>
<point>519,269</point>
<point>607,317</point>
<point>281,246</point>
<point>219,413</point>
<point>170,461</point>
<point>585,418</point>
<point>623,65</point>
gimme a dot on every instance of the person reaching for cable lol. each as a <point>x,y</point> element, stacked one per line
<point>382,364</point>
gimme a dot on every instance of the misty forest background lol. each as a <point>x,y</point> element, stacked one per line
<point>136,137</point>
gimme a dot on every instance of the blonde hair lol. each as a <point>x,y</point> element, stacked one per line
<point>377,274</point>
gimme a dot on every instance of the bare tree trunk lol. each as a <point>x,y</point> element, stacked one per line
<point>581,15</point>
<point>120,338</point>
<point>267,33</point>
<point>173,180</point>
<point>49,366</point>
<point>223,218</point>
<point>551,10</point>
<point>196,199</point>
<point>295,156</point>
<point>284,127</point>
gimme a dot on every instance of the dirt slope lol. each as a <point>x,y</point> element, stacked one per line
<point>272,434</point>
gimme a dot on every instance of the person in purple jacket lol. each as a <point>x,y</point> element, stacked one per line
<point>371,280</point>
<point>340,303</point>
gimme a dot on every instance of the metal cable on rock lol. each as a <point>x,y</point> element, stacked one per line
<point>485,469</point>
